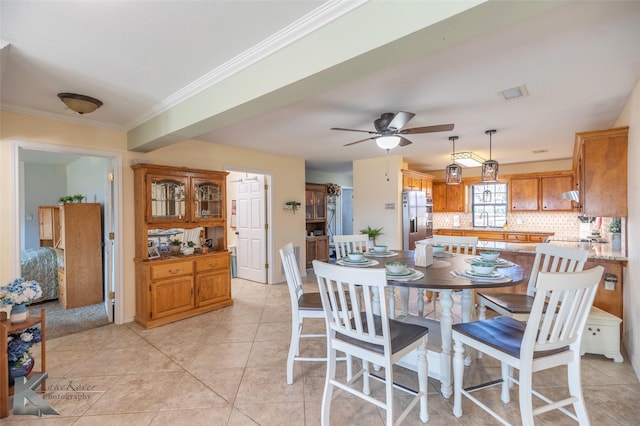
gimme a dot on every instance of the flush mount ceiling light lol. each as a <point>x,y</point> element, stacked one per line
<point>514,92</point>
<point>388,142</point>
<point>490,167</point>
<point>453,172</point>
<point>467,159</point>
<point>80,103</point>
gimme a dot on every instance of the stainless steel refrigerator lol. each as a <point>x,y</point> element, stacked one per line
<point>417,218</point>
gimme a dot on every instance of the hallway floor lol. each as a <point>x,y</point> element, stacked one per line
<point>227,367</point>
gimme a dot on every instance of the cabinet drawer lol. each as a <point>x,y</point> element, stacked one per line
<point>518,237</point>
<point>169,270</point>
<point>537,238</point>
<point>212,262</point>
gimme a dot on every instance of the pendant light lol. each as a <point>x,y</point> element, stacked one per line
<point>453,171</point>
<point>490,167</point>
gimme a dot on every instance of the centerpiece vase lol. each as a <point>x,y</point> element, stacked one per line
<point>18,313</point>
<point>19,370</point>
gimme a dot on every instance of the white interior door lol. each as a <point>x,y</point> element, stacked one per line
<point>251,255</point>
<point>109,248</point>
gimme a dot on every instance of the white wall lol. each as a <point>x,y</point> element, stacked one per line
<point>631,117</point>
<point>372,190</point>
<point>43,184</point>
<point>88,176</point>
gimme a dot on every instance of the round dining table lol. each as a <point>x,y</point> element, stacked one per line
<point>445,276</point>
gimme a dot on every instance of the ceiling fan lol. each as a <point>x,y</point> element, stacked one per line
<point>389,130</point>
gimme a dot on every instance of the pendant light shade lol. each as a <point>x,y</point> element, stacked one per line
<point>453,172</point>
<point>490,167</point>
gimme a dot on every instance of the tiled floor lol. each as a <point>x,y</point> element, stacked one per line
<point>228,368</point>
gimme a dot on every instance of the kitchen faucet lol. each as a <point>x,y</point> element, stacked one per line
<point>485,215</point>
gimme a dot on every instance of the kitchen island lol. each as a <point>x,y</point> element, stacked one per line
<point>610,290</point>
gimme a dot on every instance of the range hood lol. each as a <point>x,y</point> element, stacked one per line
<point>571,195</point>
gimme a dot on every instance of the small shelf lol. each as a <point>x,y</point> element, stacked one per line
<point>7,328</point>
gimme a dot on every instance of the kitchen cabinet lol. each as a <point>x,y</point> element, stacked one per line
<point>551,188</point>
<point>448,198</point>
<point>49,226</point>
<point>489,235</point>
<point>416,181</point>
<point>600,164</point>
<point>80,280</point>
<point>317,241</point>
<point>174,287</point>
<point>523,193</point>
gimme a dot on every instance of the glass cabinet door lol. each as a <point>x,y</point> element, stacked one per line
<point>207,197</point>
<point>168,198</point>
<point>320,212</point>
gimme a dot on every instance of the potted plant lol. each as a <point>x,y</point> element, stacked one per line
<point>188,249</point>
<point>77,198</point>
<point>292,205</point>
<point>615,228</point>
<point>20,359</point>
<point>17,294</point>
<point>174,246</point>
<point>372,233</point>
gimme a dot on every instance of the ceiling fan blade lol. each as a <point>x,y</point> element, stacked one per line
<point>355,130</point>
<point>400,120</point>
<point>404,141</point>
<point>361,140</point>
<point>427,129</point>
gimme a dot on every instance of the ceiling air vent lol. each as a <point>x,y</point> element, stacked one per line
<point>514,92</point>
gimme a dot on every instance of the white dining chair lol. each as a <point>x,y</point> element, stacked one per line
<point>303,305</point>
<point>551,337</point>
<point>345,244</point>
<point>549,258</point>
<point>370,335</point>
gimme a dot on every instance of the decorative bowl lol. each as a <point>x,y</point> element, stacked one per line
<point>438,248</point>
<point>489,256</point>
<point>379,249</point>
<point>355,256</point>
<point>482,268</point>
<point>396,267</point>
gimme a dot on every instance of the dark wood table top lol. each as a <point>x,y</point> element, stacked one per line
<point>438,276</point>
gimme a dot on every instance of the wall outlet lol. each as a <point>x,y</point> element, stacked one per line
<point>520,221</point>
<point>389,206</point>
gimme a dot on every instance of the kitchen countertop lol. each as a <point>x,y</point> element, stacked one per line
<point>480,229</point>
<point>596,250</point>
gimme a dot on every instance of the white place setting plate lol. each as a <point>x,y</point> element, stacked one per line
<point>407,275</point>
<point>345,261</point>
<point>500,263</point>
<point>381,253</point>
<point>445,254</point>
<point>494,275</point>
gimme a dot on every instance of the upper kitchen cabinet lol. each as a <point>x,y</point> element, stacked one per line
<point>551,189</point>
<point>416,181</point>
<point>600,164</point>
<point>524,194</point>
<point>448,198</point>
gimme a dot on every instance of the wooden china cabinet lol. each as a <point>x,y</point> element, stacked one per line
<point>173,287</point>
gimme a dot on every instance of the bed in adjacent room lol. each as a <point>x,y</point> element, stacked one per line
<point>41,265</point>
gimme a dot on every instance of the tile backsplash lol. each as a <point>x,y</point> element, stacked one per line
<point>563,225</point>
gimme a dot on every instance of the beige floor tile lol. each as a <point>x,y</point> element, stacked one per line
<point>228,367</point>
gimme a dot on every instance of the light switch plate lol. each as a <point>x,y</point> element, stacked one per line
<point>389,206</point>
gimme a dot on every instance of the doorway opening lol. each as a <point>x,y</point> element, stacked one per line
<point>108,192</point>
<point>249,214</point>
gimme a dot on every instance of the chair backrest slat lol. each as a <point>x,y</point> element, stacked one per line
<point>457,244</point>
<point>568,297</point>
<point>550,258</point>
<point>292,273</point>
<point>359,286</point>
<point>345,244</point>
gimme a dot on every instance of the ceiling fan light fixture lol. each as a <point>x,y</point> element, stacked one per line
<point>388,142</point>
<point>453,172</point>
<point>490,167</point>
<point>467,159</point>
<point>81,104</point>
